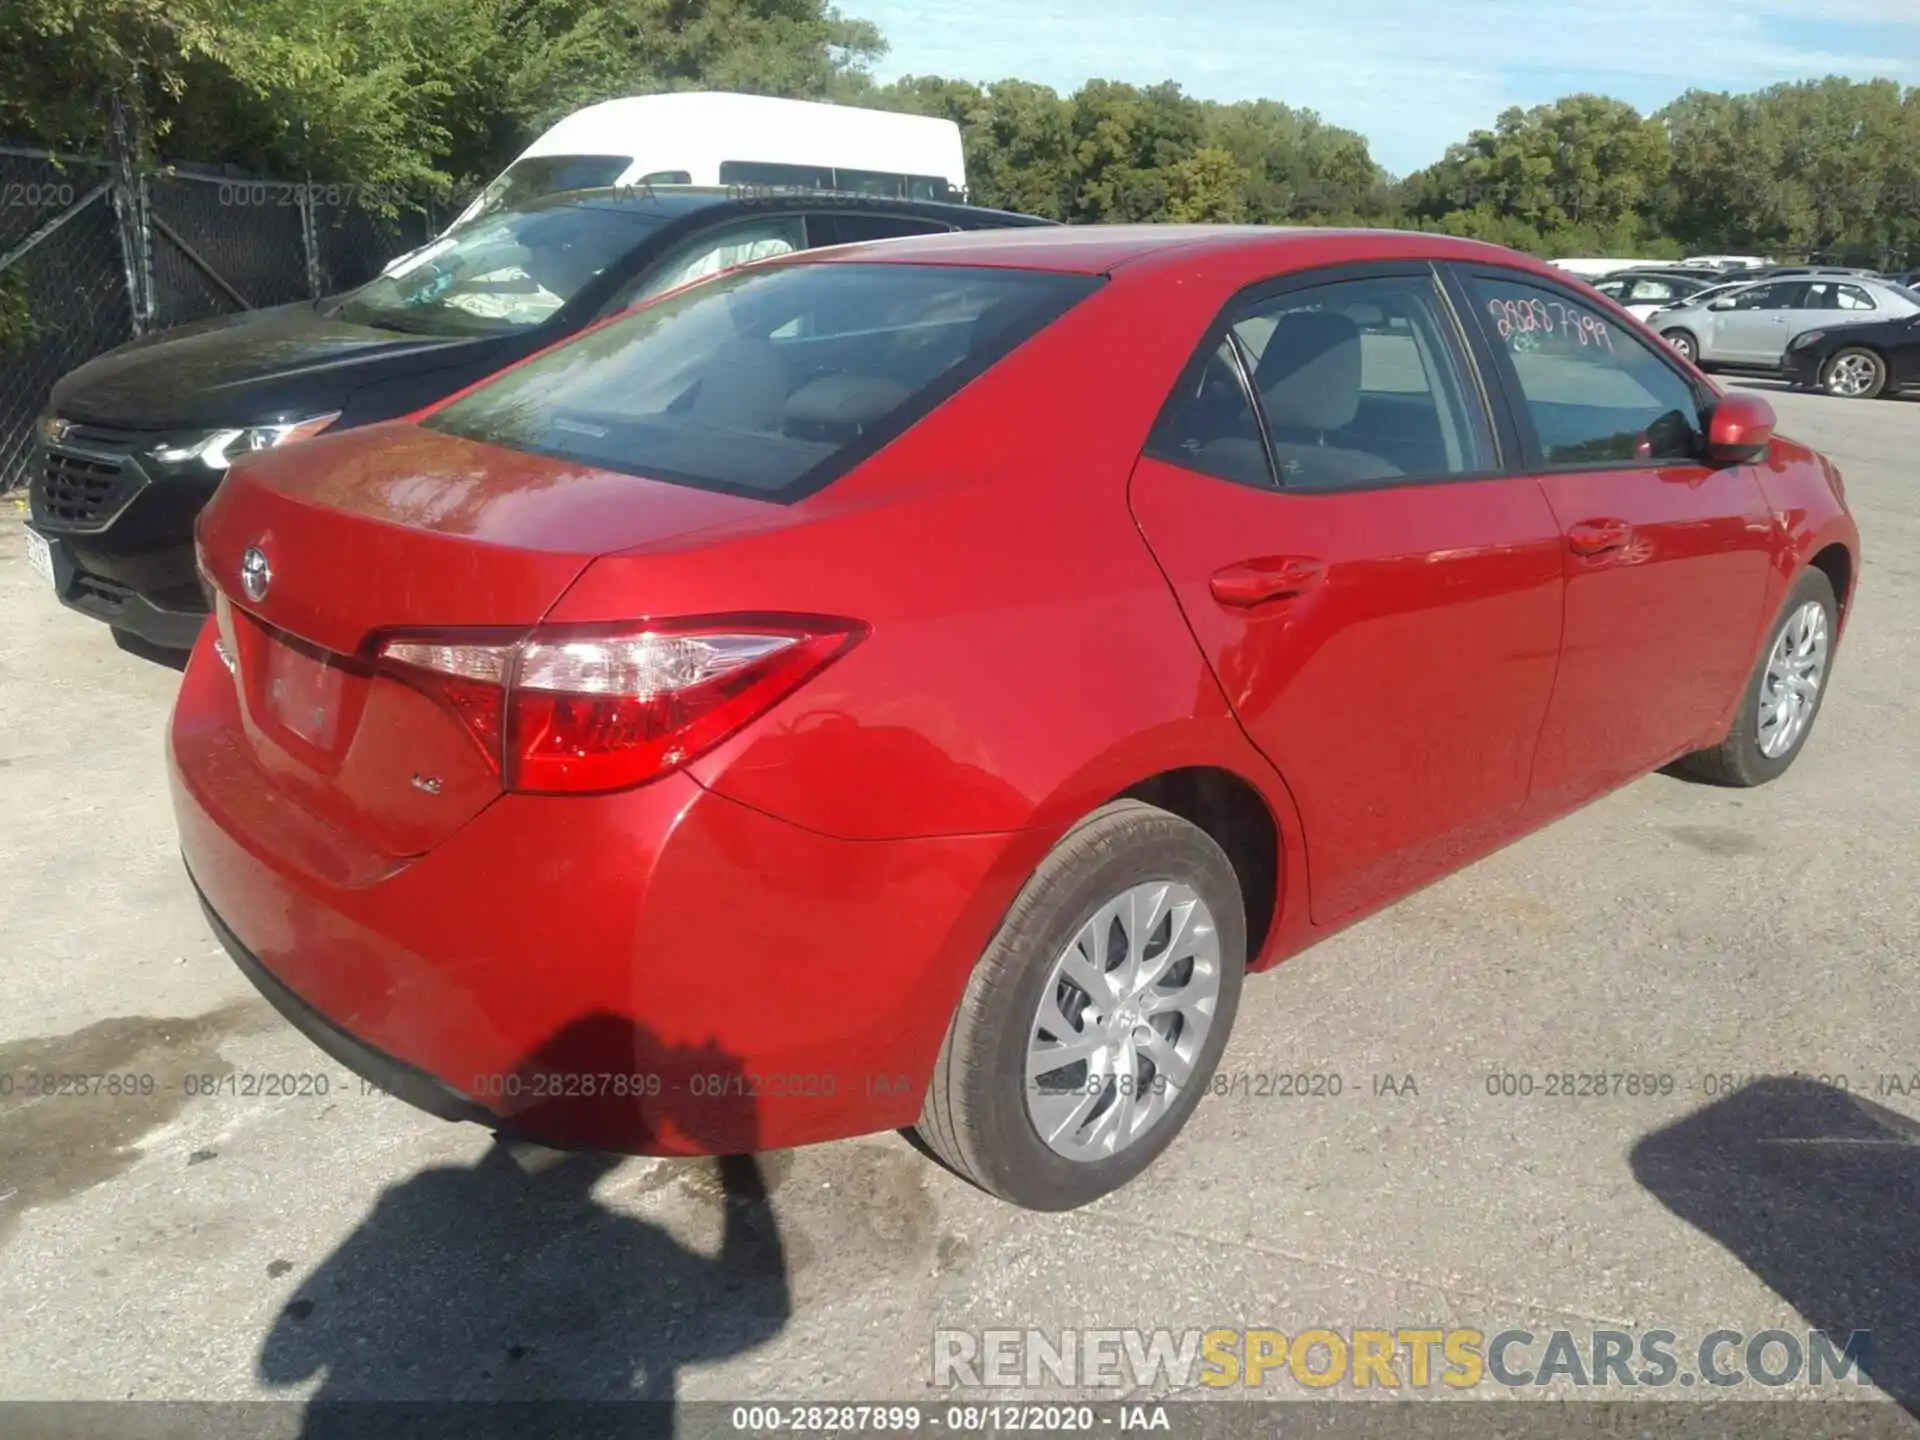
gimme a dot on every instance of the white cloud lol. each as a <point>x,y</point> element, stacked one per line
<point>1409,75</point>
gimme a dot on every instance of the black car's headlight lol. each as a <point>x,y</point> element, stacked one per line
<point>219,448</point>
<point>1811,337</point>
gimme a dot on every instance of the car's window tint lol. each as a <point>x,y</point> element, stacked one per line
<point>1209,425</point>
<point>766,382</point>
<point>1594,392</point>
<point>845,229</point>
<point>1360,381</point>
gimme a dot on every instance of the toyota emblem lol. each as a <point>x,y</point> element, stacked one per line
<point>255,573</point>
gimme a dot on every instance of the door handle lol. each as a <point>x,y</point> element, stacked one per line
<point>1270,578</point>
<point>1596,537</point>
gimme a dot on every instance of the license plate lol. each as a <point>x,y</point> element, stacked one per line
<point>40,557</point>
<point>304,693</point>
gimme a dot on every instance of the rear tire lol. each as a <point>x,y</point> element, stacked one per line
<point>1855,373</point>
<point>1683,341</point>
<point>979,1113</point>
<point>1743,760</point>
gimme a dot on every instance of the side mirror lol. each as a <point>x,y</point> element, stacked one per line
<point>1720,305</point>
<point>1740,429</point>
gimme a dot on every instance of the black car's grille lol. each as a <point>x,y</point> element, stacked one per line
<point>82,482</point>
<point>78,490</point>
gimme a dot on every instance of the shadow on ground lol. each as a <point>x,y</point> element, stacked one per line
<point>1814,1189</point>
<point>490,1284</point>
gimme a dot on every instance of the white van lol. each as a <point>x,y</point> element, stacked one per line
<point>752,141</point>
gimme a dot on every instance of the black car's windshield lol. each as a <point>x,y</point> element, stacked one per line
<point>500,273</point>
<point>768,381</point>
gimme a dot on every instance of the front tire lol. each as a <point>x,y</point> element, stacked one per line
<point>1854,374</point>
<point>1783,697</point>
<point>1095,1019</point>
<point>1684,343</point>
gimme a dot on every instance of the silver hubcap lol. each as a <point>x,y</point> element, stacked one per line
<point>1122,1019</point>
<point>1792,683</point>
<point>1682,344</point>
<point>1852,375</point>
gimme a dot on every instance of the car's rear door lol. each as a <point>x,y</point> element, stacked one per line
<point>1379,601</point>
<point>1666,557</point>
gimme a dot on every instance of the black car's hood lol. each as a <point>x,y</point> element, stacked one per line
<point>246,369</point>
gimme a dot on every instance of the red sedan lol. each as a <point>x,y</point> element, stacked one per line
<point>912,684</point>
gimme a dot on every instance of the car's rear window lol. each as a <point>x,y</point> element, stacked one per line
<point>766,382</point>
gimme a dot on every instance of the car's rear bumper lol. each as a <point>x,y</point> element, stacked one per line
<point>660,971</point>
<point>381,1071</point>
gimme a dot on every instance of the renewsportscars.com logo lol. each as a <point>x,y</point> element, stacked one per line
<point>1402,1359</point>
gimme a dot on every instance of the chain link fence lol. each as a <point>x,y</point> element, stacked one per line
<point>94,253</point>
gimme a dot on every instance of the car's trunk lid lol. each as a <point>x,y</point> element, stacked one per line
<point>398,529</point>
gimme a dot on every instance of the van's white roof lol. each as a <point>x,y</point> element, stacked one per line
<point>794,132</point>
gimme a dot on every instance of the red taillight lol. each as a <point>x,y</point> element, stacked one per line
<point>571,711</point>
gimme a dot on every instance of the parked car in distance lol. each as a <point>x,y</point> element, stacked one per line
<point>682,742</point>
<point>1726,262</point>
<point>1592,267</point>
<point>1751,328</point>
<point>1641,292</point>
<point>1858,362</point>
<point>136,440</point>
<point>1716,291</point>
<point>749,141</point>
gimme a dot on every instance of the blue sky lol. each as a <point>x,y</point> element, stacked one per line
<point>1410,75</point>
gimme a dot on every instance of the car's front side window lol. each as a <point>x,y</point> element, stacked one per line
<point>1762,297</point>
<point>1594,392</point>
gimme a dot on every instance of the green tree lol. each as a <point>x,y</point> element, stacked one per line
<point>1580,172</point>
<point>1208,186</point>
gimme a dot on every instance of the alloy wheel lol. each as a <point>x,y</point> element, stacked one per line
<point>1791,686</point>
<point>1851,376</point>
<point>1122,1020</point>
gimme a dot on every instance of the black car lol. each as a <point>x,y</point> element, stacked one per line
<point>1858,362</point>
<point>137,440</point>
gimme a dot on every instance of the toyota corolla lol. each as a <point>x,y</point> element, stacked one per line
<point>911,685</point>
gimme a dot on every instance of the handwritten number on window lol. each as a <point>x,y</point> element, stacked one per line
<point>1513,318</point>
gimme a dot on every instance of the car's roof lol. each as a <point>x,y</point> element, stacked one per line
<point>1100,249</point>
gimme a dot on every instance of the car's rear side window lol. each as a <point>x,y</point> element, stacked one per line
<point>766,382</point>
